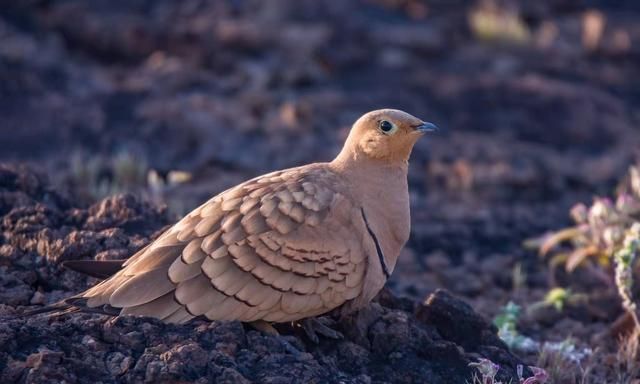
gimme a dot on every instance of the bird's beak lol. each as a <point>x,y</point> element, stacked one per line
<point>425,127</point>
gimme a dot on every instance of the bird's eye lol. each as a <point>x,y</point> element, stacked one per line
<point>387,127</point>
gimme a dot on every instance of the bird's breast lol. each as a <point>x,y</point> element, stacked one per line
<point>390,221</point>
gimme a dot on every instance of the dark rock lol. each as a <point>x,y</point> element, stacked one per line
<point>455,320</point>
<point>117,363</point>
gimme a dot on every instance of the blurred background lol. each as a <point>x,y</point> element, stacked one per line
<point>177,100</point>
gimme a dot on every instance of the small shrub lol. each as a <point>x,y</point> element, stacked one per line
<point>488,370</point>
<point>563,362</point>
<point>627,366</point>
<point>607,234</point>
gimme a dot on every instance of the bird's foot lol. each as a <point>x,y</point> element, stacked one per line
<point>264,327</point>
<point>315,326</point>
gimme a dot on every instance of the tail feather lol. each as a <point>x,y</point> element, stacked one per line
<point>97,298</point>
<point>70,305</point>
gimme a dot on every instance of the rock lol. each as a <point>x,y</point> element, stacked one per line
<point>231,376</point>
<point>188,360</point>
<point>117,363</point>
<point>37,360</point>
<point>37,298</point>
<point>352,357</point>
<point>455,320</point>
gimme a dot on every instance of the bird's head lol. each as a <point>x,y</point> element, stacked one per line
<point>386,135</point>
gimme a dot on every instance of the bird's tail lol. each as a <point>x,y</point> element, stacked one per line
<point>54,310</point>
<point>68,306</point>
<point>101,269</point>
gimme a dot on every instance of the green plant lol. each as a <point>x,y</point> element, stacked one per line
<point>518,277</point>
<point>490,22</point>
<point>625,258</point>
<point>627,365</point>
<point>506,322</point>
<point>558,298</point>
<point>104,176</point>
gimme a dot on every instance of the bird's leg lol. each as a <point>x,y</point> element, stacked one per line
<point>268,329</point>
<point>313,326</point>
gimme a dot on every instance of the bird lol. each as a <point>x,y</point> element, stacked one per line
<point>286,246</point>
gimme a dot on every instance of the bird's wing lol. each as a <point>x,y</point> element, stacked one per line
<point>282,247</point>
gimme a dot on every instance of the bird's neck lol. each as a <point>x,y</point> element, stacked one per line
<point>354,162</point>
<point>372,177</point>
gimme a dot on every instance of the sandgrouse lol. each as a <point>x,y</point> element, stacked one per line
<point>281,247</point>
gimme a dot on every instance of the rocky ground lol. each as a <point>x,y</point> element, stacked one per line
<point>393,340</point>
<point>538,100</point>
